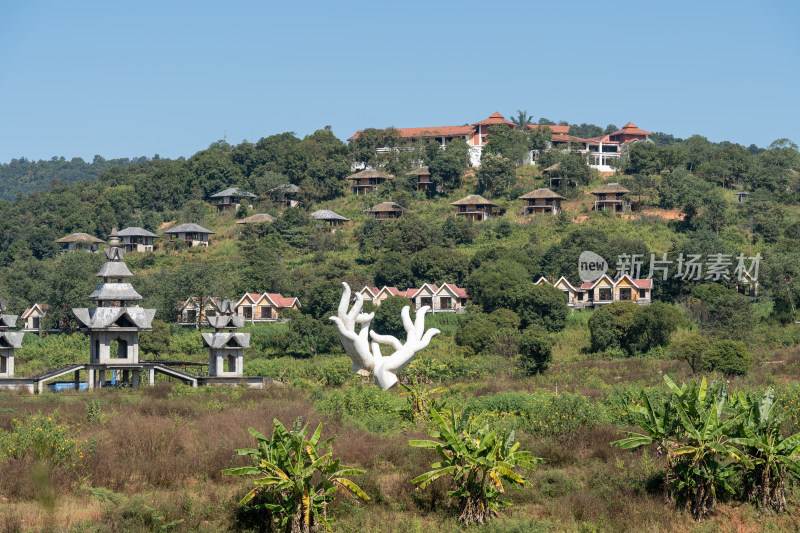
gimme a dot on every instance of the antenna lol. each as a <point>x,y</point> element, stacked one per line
<point>225,136</point>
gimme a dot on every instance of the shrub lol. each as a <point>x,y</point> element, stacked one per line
<point>728,357</point>
<point>479,459</point>
<point>535,349</point>
<point>476,331</point>
<point>39,437</point>
<point>299,478</point>
<point>690,346</point>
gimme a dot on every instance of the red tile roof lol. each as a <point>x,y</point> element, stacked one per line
<point>630,129</point>
<point>280,300</point>
<point>458,291</point>
<point>643,283</point>
<point>494,118</point>
<point>560,130</point>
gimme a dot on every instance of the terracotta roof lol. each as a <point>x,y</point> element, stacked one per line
<point>630,129</point>
<point>643,283</point>
<point>541,193</point>
<point>421,171</point>
<point>567,138</point>
<point>42,309</point>
<point>427,132</point>
<point>257,218</point>
<point>372,290</point>
<point>80,237</point>
<point>368,174</point>
<point>494,118</point>
<point>458,291</point>
<point>473,199</point>
<point>562,130</point>
<point>385,207</point>
<point>281,300</point>
<point>610,188</point>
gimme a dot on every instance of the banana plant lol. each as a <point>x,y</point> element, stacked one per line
<point>693,429</point>
<point>479,460</point>
<point>773,458</point>
<point>419,396</point>
<point>289,463</point>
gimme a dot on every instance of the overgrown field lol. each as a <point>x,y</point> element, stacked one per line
<point>152,460</point>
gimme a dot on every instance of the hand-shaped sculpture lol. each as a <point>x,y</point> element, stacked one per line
<point>355,344</point>
<point>357,347</point>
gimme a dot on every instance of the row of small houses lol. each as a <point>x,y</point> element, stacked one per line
<point>605,290</point>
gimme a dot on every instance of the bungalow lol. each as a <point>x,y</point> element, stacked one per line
<point>369,293</point>
<point>79,241</point>
<point>33,317</point>
<point>193,234</point>
<point>264,307</point>
<point>258,218</point>
<point>231,198</point>
<point>285,194</point>
<point>194,310</point>
<point>326,215</point>
<point>364,182</point>
<point>136,239</point>
<point>423,178</point>
<point>386,211</point>
<point>474,207</point>
<point>423,296</point>
<point>542,201</point>
<point>605,291</point>
<point>611,196</point>
<point>385,292</point>
<point>450,298</point>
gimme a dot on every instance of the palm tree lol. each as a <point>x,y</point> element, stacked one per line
<point>522,119</point>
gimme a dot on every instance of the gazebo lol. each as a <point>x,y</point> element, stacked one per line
<point>326,215</point>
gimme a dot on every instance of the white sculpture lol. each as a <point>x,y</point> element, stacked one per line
<point>357,344</point>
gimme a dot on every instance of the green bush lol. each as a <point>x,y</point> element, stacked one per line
<point>535,349</point>
<point>40,437</point>
<point>728,357</point>
<point>325,370</point>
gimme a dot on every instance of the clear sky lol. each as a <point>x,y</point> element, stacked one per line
<point>125,79</point>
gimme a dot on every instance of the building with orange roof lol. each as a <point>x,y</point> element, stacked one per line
<point>264,307</point>
<point>600,151</point>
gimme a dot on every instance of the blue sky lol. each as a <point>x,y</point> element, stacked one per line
<point>143,78</point>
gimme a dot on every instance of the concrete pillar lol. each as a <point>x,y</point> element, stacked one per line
<point>90,378</point>
<point>77,380</point>
<point>101,378</point>
<point>39,385</point>
<point>151,376</point>
<point>135,380</point>
<point>126,376</point>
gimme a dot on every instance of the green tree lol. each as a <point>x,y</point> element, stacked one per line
<point>388,319</point>
<point>728,357</point>
<point>690,346</point>
<point>446,166</point>
<point>496,174</point>
<point>535,350</point>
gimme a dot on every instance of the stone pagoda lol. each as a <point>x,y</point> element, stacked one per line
<point>225,345</point>
<point>115,322</point>
<point>9,341</point>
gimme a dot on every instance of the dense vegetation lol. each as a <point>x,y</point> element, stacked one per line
<point>517,361</point>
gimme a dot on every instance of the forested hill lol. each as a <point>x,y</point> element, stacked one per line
<point>21,176</point>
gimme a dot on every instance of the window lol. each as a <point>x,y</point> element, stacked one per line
<point>605,294</point>
<point>625,294</point>
<point>642,293</point>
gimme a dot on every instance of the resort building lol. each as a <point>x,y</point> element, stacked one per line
<point>266,307</point>
<point>542,201</point>
<point>600,151</point>
<point>386,211</point>
<point>593,294</point>
<point>474,207</point>
<point>193,234</point>
<point>285,194</point>
<point>611,196</point>
<point>231,199</point>
<point>79,241</point>
<point>329,217</point>
<point>364,182</point>
<point>423,178</point>
<point>136,239</point>
<point>33,317</point>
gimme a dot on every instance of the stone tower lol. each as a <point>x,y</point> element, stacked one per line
<point>226,345</point>
<point>9,341</point>
<point>115,321</point>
